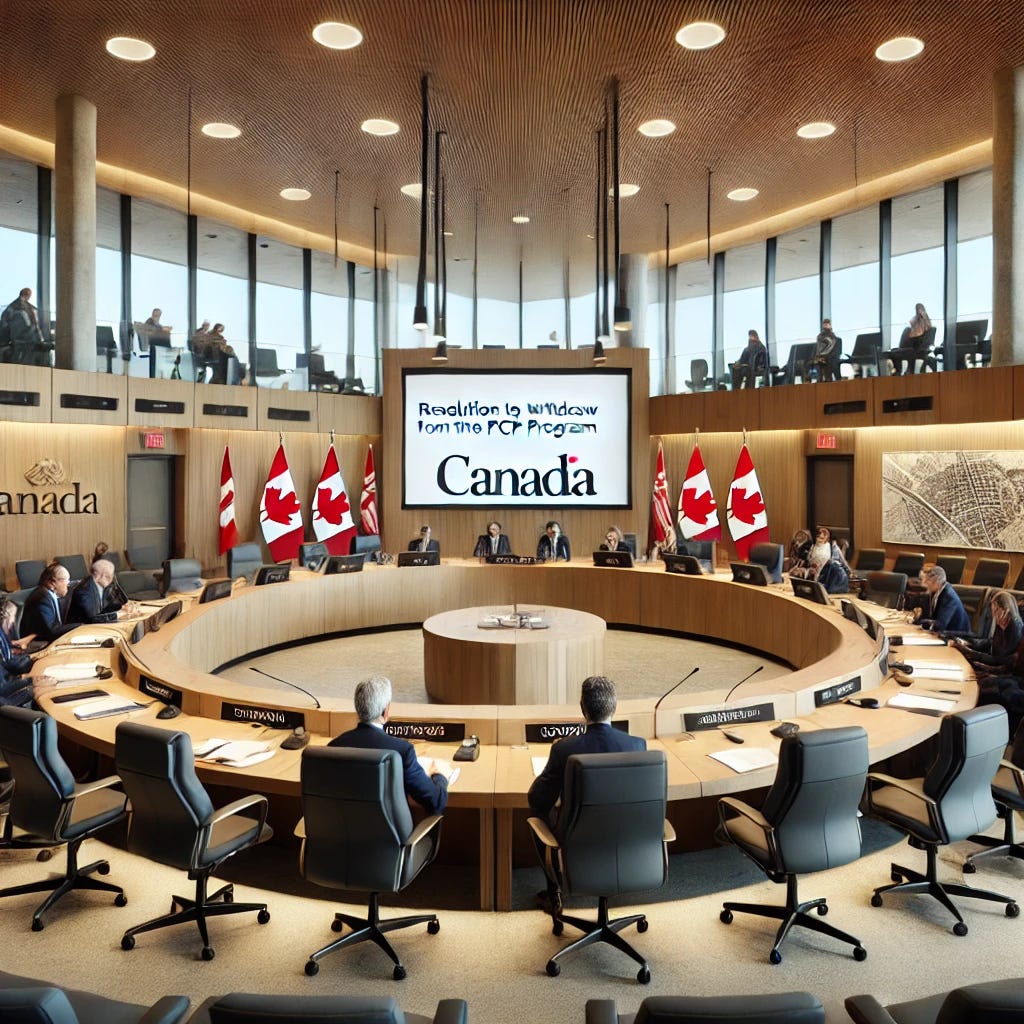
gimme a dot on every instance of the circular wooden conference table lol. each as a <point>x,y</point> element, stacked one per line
<point>830,655</point>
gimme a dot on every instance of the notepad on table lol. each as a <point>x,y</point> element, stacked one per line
<point>66,675</point>
<point>917,640</point>
<point>102,707</point>
<point>233,753</point>
<point>916,702</point>
<point>748,759</point>
<point>438,766</point>
<point>84,638</point>
<point>936,669</point>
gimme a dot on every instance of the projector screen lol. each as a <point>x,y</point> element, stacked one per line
<point>540,439</point>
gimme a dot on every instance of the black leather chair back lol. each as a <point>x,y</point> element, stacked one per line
<point>43,783</point>
<point>365,544</point>
<point>357,818</point>
<point>243,1008</point>
<point>870,560</point>
<point>976,602</point>
<point>244,560</point>
<point>953,566</point>
<point>971,745</point>
<point>28,571</point>
<point>812,805</point>
<point>611,823</point>
<point>772,1008</point>
<point>885,588</point>
<point>909,562</point>
<point>991,572</point>
<point>75,565</point>
<point>180,575</point>
<point>171,811</point>
<point>311,553</point>
<point>769,555</point>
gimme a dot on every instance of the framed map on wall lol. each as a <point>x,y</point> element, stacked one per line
<point>954,499</point>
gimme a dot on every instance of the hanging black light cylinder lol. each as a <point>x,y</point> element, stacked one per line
<point>419,316</point>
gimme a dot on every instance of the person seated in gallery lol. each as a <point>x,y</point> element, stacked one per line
<point>943,609</point>
<point>995,651</point>
<point>43,614</point>
<point>424,542</point>
<point>98,598</point>
<point>493,542</point>
<point>826,347</point>
<point>21,338</point>
<point>799,549</point>
<point>553,545</point>
<point>825,563</point>
<point>752,363</point>
<point>911,341</point>
<point>1004,685</point>
<point>215,351</point>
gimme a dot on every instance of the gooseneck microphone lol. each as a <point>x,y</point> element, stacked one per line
<point>675,686</point>
<point>287,682</point>
<point>741,682</point>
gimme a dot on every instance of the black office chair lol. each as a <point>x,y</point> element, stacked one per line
<point>246,1008</point>
<point>75,565</point>
<point>770,555</point>
<point>630,541</point>
<point>174,822</point>
<point>987,1003</point>
<point>885,588</point>
<point>181,575</point>
<point>771,1008</point>
<point>143,559</point>
<point>909,562</point>
<point>610,840</point>
<point>991,572</point>
<point>1019,582</point>
<point>864,357</point>
<point>359,836</point>
<point>365,544</point>
<point>1008,795</point>
<point>976,602</point>
<point>28,571</point>
<point>869,560</point>
<point>952,802</point>
<point>49,804</point>
<point>244,560</point>
<point>953,565</point>
<point>969,336</point>
<point>311,554</point>
<point>266,363</point>
<point>808,822</point>
<point>905,358</point>
<point>698,375</point>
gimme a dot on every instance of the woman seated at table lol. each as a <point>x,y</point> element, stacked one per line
<point>826,564</point>
<point>614,541</point>
<point>997,651</point>
<point>1004,685</point>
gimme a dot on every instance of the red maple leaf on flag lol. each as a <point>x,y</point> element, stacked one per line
<point>226,501</point>
<point>280,508</point>
<point>697,508</point>
<point>331,509</point>
<point>746,506</point>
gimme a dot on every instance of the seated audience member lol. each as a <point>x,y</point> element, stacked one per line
<point>43,615</point>
<point>1004,685</point>
<point>911,340</point>
<point>424,542</point>
<point>824,357</point>
<point>597,702</point>
<point>613,540</point>
<point>799,549</point>
<point>98,598</point>
<point>752,363</point>
<point>373,706</point>
<point>826,563</point>
<point>553,544</point>
<point>943,609</point>
<point>215,349</point>
<point>1008,631</point>
<point>493,542</point>
<point>20,334</point>
<point>13,658</point>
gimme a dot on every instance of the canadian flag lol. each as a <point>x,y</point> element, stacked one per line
<point>368,522</point>
<point>661,509</point>
<point>228,527</point>
<point>332,515</point>
<point>281,511</point>
<point>746,515</point>
<point>698,510</point>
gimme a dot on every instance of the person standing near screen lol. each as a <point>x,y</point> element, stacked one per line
<point>553,544</point>
<point>493,542</point>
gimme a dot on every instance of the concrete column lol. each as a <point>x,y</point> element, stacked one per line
<point>75,223</point>
<point>1008,218</point>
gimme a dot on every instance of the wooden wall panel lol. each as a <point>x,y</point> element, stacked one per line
<point>731,410</point>
<point>161,391</point>
<point>219,395</point>
<point>914,385</point>
<point>984,395</point>
<point>1018,392</point>
<point>676,414</point>
<point>273,405</point>
<point>859,389</point>
<point>78,382</point>
<point>789,406</point>
<point>34,379</point>
<point>349,414</point>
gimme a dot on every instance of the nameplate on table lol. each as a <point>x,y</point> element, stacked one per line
<point>549,732</point>
<point>162,692</point>
<point>159,405</point>
<point>439,732</point>
<point>834,694</point>
<point>275,718</point>
<point>511,560</point>
<point>883,662</point>
<point>697,721</point>
<point>26,398</point>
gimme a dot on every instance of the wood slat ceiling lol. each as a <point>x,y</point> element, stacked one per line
<point>519,87</point>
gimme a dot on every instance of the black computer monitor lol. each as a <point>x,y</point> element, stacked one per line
<point>684,564</point>
<point>215,590</point>
<point>160,617</point>
<point>809,590</point>
<point>419,558</point>
<point>853,613</point>
<point>343,563</point>
<point>618,559</point>
<point>749,572</point>
<point>278,572</point>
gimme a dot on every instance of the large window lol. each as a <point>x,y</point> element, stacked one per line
<point>222,283</point>
<point>159,274</point>
<point>917,259</point>
<point>797,289</point>
<point>329,306</point>
<point>693,320</point>
<point>279,336</point>
<point>18,225</point>
<point>365,350</point>
<point>744,298</point>
<point>108,267</point>
<point>974,248</point>
<point>855,275</point>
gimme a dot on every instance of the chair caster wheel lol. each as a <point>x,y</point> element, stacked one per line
<point>336,925</point>
<point>959,928</point>
<point>860,953</point>
<point>876,900</point>
<point>127,942</point>
<point>44,855</point>
<point>103,868</point>
<point>644,975</point>
<point>896,876</point>
<point>398,973</point>
<point>263,916</point>
<point>120,900</point>
<point>775,957</point>
<point>1012,910</point>
<point>433,927</point>
<point>725,917</point>
<point>557,927</point>
<point>312,968</point>
<point>642,925</point>
<point>969,867</point>
<point>229,896</point>
<point>208,953</point>
<point>174,906</point>
<point>822,910</point>
<point>553,969</point>
<point>37,924</point>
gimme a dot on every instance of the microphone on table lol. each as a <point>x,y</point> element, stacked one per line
<point>287,682</point>
<point>741,682</point>
<point>675,686</point>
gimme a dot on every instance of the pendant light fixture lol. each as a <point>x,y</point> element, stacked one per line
<point>623,320</point>
<point>419,316</point>
<point>438,323</point>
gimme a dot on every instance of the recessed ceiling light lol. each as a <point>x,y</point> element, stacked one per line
<point>379,126</point>
<point>625,191</point>
<point>741,195</point>
<point>126,48</point>
<point>221,130</point>
<point>414,189</point>
<point>520,218</point>
<point>700,35</point>
<point>900,48</point>
<point>656,128</point>
<point>815,130</point>
<point>295,194</point>
<point>336,35</point>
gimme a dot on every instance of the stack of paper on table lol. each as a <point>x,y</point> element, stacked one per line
<point>66,674</point>
<point>916,702</point>
<point>919,640</point>
<point>102,707</point>
<point>748,759</point>
<point>233,753</point>
<point>438,766</point>
<point>936,669</point>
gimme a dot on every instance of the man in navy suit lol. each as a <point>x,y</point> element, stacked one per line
<point>43,614</point>
<point>597,702</point>
<point>423,542</point>
<point>944,610</point>
<point>493,542</point>
<point>98,599</point>
<point>373,706</point>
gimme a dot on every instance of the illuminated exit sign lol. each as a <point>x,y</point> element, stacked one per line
<point>157,441</point>
<point>826,441</point>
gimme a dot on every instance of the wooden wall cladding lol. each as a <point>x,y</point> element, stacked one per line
<point>225,408</point>
<point>1018,391</point>
<point>909,399</point>
<point>676,414</point>
<point>160,403</point>
<point>286,411</point>
<point>732,410</point>
<point>27,393</point>
<point>983,395</point>
<point>846,403</point>
<point>74,388</point>
<point>457,531</point>
<point>349,414</point>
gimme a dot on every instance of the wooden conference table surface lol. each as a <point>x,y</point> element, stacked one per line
<point>828,653</point>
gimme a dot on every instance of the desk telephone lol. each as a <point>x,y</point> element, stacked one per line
<point>468,749</point>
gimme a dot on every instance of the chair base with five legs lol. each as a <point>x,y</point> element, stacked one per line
<point>602,930</point>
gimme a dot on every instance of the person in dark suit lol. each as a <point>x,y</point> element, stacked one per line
<point>424,542</point>
<point>597,702</point>
<point>493,542</point>
<point>98,598</point>
<point>15,664</point>
<point>945,610</point>
<point>553,544</point>
<point>373,706</point>
<point>43,613</point>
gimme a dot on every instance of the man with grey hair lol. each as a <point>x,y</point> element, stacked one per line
<point>373,706</point>
<point>98,598</point>
<point>597,702</point>
<point>944,610</point>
